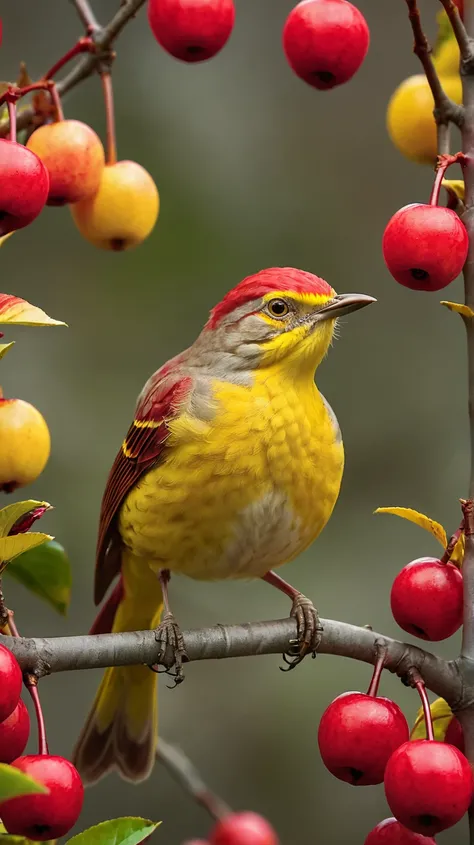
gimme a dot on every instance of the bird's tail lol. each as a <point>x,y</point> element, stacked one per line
<point>121,729</point>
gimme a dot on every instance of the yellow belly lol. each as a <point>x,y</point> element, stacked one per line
<point>241,494</point>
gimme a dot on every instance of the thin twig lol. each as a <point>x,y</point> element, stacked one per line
<point>445,110</point>
<point>185,772</point>
<point>465,43</point>
<point>87,16</point>
<point>88,64</point>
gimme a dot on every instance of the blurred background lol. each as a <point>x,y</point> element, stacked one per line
<point>254,169</point>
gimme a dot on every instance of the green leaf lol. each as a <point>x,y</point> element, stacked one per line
<point>12,513</point>
<point>14,783</point>
<point>45,571</point>
<point>125,831</point>
<point>11,547</point>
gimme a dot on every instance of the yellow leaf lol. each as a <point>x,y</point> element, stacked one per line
<point>19,311</point>
<point>5,237</point>
<point>454,187</point>
<point>420,519</point>
<point>12,513</point>
<point>4,347</point>
<point>441,715</point>
<point>457,556</point>
<point>11,547</point>
<point>464,310</point>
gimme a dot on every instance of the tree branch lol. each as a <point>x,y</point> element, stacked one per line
<point>42,656</point>
<point>445,109</point>
<point>186,774</point>
<point>465,43</point>
<point>87,16</point>
<point>103,39</point>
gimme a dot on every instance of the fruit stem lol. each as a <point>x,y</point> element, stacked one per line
<point>381,654</point>
<point>108,90</point>
<point>56,101</point>
<point>84,45</point>
<point>451,545</point>
<point>444,161</point>
<point>31,683</point>
<point>420,686</point>
<point>12,118</point>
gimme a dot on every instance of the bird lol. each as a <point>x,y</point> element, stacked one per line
<point>231,467</point>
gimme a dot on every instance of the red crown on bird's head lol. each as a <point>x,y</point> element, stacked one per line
<point>276,279</point>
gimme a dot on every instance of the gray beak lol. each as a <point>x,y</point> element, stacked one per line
<point>344,303</point>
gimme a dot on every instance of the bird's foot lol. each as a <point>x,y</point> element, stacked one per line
<point>309,632</point>
<point>168,636</point>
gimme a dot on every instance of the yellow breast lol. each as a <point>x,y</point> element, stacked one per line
<point>245,492</point>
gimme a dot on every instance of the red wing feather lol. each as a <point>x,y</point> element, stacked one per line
<point>141,449</point>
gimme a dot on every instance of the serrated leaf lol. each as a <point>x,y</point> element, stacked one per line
<point>464,310</point>
<point>45,571</point>
<point>11,547</point>
<point>441,715</point>
<point>4,347</point>
<point>420,519</point>
<point>14,783</point>
<point>124,831</point>
<point>454,187</point>
<point>12,514</point>
<point>19,311</point>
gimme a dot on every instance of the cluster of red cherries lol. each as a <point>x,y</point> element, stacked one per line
<point>325,41</point>
<point>40,816</point>
<point>364,738</point>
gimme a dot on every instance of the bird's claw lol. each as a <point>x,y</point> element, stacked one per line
<point>309,632</point>
<point>168,636</point>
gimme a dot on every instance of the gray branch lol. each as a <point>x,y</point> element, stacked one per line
<point>103,37</point>
<point>42,656</point>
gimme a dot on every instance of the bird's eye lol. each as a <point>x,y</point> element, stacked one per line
<point>278,308</point>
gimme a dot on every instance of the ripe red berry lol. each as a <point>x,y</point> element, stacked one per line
<point>425,246</point>
<point>357,735</point>
<point>454,734</point>
<point>391,832</point>
<point>243,829</point>
<point>24,185</point>
<point>48,816</point>
<point>14,733</point>
<point>191,30</point>
<point>11,681</point>
<point>427,597</point>
<point>325,41</point>
<point>428,785</point>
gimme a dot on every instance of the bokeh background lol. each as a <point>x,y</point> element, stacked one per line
<point>254,169</point>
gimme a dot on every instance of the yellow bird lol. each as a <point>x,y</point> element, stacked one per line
<point>231,467</point>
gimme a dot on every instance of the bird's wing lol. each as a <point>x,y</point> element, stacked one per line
<point>159,402</point>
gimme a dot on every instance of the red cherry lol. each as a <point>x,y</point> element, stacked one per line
<point>427,598</point>
<point>425,246</point>
<point>24,186</point>
<point>243,829</point>
<point>391,832</point>
<point>42,817</point>
<point>454,734</point>
<point>428,785</point>
<point>357,735</point>
<point>14,733</point>
<point>460,5</point>
<point>191,30</point>
<point>325,41</point>
<point>11,681</point>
